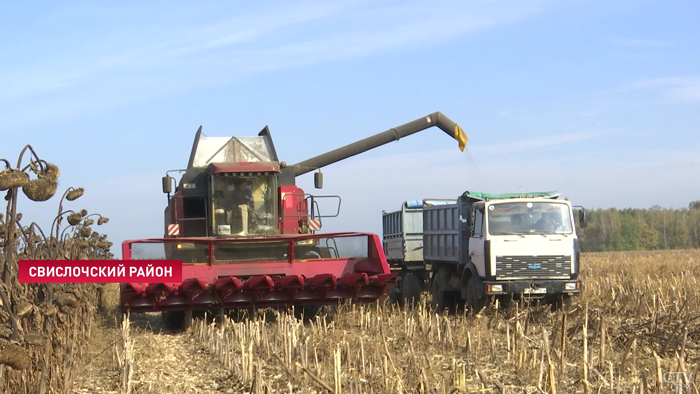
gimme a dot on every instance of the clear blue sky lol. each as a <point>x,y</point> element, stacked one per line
<point>597,99</point>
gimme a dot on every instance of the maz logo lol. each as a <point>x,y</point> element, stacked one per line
<point>534,266</point>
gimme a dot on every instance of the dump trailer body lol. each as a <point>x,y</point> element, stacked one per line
<point>441,233</point>
<point>403,231</point>
<point>402,237</point>
<point>403,234</point>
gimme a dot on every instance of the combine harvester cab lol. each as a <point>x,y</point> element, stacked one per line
<point>247,235</point>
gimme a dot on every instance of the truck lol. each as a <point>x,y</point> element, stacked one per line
<point>249,238</point>
<point>480,247</point>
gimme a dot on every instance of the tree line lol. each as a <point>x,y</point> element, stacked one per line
<point>655,228</point>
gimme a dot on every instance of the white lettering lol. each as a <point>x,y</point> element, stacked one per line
<point>121,270</point>
<point>132,271</point>
<point>168,271</point>
<point>32,269</point>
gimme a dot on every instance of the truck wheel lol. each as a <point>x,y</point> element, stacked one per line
<point>412,288</point>
<point>474,303</point>
<point>562,302</point>
<point>442,299</point>
<point>396,297</point>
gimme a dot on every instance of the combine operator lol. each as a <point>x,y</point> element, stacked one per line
<point>242,194</point>
<point>234,202</point>
<point>241,203</point>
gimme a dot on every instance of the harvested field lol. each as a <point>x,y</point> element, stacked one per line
<point>637,321</point>
<point>638,318</point>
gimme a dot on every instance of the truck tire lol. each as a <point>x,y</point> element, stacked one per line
<point>442,299</point>
<point>562,302</point>
<point>396,297</point>
<point>474,303</point>
<point>412,287</point>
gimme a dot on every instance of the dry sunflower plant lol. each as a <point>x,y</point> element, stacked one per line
<point>44,326</point>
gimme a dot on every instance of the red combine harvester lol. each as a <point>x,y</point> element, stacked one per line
<point>247,235</point>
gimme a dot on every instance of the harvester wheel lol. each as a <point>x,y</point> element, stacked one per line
<point>177,320</point>
<point>306,313</point>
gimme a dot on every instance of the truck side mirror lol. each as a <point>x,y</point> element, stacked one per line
<point>582,217</point>
<point>318,180</point>
<point>167,184</point>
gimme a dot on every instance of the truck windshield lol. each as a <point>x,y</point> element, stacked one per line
<point>520,218</point>
<point>243,205</point>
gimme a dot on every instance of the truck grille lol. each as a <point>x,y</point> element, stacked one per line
<point>508,267</point>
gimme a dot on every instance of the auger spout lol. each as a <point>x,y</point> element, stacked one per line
<point>435,119</point>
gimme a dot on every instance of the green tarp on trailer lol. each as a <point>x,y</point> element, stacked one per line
<point>486,196</point>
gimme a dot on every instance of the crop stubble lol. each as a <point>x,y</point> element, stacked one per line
<point>638,318</point>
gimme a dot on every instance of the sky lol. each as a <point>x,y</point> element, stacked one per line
<point>599,100</point>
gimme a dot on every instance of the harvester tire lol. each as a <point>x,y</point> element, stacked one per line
<point>307,313</point>
<point>177,320</point>
<point>412,287</point>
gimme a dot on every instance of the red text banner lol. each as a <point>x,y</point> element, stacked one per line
<point>100,271</point>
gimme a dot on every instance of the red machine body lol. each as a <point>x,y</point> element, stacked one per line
<point>246,234</point>
<point>284,274</point>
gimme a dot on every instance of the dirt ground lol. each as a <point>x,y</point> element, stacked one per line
<point>164,361</point>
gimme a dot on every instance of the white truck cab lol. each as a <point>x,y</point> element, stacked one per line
<point>502,245</point>
<point>526,245</point>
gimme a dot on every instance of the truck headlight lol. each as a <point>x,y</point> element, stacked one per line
<point>572,286</point>
<point>494,288</point>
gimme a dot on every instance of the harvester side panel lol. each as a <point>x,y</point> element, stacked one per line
<point>294,208</point>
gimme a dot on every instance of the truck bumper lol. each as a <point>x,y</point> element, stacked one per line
<point>535,288</point>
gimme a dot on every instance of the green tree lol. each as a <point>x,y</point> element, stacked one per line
<point>649,238</point>
<point>629,237</point>
<point>680,235</point>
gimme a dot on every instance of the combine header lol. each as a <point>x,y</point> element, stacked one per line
<point>247,235</point>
